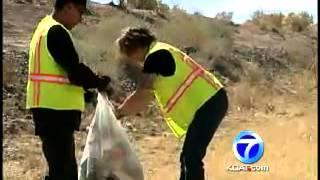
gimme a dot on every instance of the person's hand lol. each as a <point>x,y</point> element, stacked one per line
<point>90,96</point>
<point>103,83</point>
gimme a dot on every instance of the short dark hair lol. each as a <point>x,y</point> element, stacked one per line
<point>59,4</point>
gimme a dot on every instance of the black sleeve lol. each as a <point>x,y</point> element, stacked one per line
<point>160,62</point>
<point>63,52</point>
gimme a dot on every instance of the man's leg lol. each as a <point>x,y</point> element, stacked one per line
<point>199,135</point>
<point>59,151</point>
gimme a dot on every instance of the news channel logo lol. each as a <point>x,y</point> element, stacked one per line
<point>248,147</point>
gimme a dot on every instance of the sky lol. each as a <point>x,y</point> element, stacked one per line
<point>242,9</point>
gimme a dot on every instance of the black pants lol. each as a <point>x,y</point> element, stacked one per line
<point>55,129</point>
<point>59,151</point>
<point>199,135</point>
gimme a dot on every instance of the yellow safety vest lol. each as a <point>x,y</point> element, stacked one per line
<point>181,95</point>
<point>48,85</point>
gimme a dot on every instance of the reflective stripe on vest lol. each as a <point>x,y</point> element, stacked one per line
<point>183,87</point>
<point>49,78</point>
<point>36,85</point>
<point>198,71</point>
<point>205,76</point>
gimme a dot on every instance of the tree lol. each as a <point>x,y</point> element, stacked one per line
<point>122,4</point>
<point>257,15</point>
<point>224,16</point>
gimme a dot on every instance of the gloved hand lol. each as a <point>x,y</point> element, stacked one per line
<point>103,83</point>
<point>90,97</point>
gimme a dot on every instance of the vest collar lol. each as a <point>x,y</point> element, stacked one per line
<point>152,45</point>
<point>150,48</point>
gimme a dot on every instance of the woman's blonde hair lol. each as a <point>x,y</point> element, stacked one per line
<point>133,38</point>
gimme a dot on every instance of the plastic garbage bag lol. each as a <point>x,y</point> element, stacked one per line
<point>107,153</point>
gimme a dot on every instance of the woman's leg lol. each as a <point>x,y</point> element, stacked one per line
<point>199,135</point>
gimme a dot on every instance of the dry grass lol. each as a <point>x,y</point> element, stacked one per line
<point>271,22</point>
<point>277,22</point>
<point>246,97</point>
<point>96,44</point>
<point>300,50</point>
<point>143,4</point>
<point>298,22</point>
<point>267,96</point>
<point>210,37</point>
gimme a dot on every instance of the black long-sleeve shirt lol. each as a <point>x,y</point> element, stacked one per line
<point>63,52</point>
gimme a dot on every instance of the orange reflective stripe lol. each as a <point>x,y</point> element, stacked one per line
<point>205,76</point>
<point>49,78</point>
<point>49,75</point>
<point>38,94</point>
<point>183,87</point>
<point>38,70</point>
<point>35,69</point>
<point>211,81</point>
<point>36,86</point>
<point>198,71</point>
<point>191,63</point>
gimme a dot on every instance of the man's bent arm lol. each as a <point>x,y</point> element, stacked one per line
<point>63,52</point>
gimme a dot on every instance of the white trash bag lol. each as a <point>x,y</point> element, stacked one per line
<point>107,153</point>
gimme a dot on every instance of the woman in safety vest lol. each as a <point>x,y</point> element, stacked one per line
<point>192,100</point>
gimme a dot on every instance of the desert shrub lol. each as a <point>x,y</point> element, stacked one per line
<point>270,22</point>
<point>296,22</point>
<point>299,51</point>
<point>299,22</point>
<point>144,4</point>
<point>212,38</point>
<point>164,8</point>
<point>197,13</point>
<point>256,16</point>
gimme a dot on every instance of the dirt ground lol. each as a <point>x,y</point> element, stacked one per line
<point>290,152</point>
<point>290,149</point>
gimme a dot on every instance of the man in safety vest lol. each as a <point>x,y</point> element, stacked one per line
<point>56,88</point>
<point>192,100</point>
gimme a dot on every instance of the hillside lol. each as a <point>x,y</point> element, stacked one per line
<point>269,75</point>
